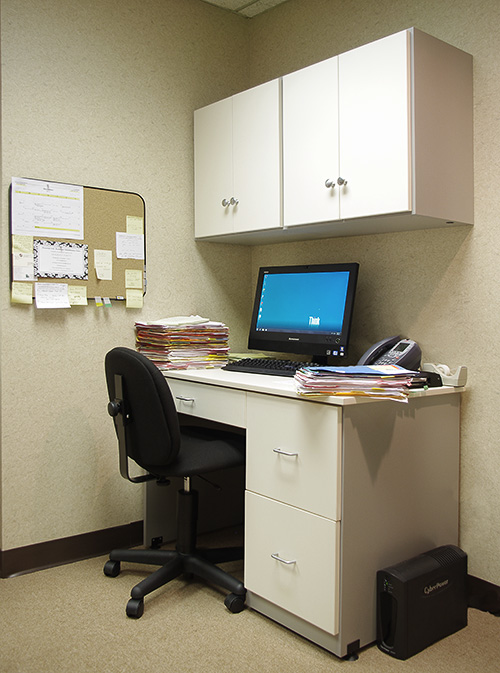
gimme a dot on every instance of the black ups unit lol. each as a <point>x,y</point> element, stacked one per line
<point>421,600</point>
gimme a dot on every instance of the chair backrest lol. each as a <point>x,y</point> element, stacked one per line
<point>152,434</point>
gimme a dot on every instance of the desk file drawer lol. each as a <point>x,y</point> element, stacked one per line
<point>292,560</point>
<point>294,452</point>
<point>224,405</point>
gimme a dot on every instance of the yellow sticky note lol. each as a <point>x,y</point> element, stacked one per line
<point>133,278</point>
<point>103,263</point>
<point>133,298</point>
<point>135,225</point>
<point>77,295</point>
<point>22,244</point>
<point>21,293</point>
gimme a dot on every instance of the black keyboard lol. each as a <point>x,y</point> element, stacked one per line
<point>266,366</point>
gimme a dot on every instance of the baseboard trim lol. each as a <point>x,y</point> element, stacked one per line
<point>69,549</point>
<point>483,595</point>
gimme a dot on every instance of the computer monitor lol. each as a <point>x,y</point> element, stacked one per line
<point>305,310</point>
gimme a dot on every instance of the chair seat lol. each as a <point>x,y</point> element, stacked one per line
<point>202,451</point>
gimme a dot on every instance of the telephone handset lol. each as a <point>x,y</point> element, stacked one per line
<point>393,351</point>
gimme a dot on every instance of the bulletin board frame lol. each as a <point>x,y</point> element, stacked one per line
<point>106,212</point>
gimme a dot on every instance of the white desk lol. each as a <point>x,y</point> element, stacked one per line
<point>336,489</point>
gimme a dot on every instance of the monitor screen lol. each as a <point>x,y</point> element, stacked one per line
<point>304,309</point>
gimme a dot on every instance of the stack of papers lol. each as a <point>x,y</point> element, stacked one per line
<point>183,342</point>
<point>382,382</point>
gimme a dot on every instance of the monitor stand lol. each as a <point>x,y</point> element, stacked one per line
<point>329,360</point>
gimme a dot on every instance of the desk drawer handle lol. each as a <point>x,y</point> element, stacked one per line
<point>285,453</point>
<point>185,399</point>
<point>277,557</point>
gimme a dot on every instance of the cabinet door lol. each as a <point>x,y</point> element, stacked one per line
<point>213,168</point>
<point>294,452</point>
<point>375,129</point>
<point>292,560</point>
<point>310,144</point>
<point>256,158</point>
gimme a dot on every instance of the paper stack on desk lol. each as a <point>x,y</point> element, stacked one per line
<point>183,342</point>
<point>382,382</point>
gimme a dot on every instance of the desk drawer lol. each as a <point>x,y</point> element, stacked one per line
<point>224,405</point>
<point>294,452</point>
<point>306,586</point>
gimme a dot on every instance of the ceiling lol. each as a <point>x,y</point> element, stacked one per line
<point>247,8</point>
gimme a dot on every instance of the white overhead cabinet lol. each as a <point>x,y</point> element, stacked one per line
<point>237,163</point>
<point>374,140</point>
<point>346,135</point>
<point>382,130</point>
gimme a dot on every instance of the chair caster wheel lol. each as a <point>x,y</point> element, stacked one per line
<point>112,568</point>
<point>135,608</point>
<point>234,603</point>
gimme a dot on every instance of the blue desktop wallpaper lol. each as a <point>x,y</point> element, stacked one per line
<point>303,302</point>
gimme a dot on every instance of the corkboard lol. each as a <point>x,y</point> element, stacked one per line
<point>105,212</point>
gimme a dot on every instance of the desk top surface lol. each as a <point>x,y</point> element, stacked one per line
<point>282,386</point>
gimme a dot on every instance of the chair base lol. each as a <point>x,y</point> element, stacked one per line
<point>185,559</point>
<point>174,563</point>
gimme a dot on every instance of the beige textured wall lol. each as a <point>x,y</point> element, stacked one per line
<point>438,287</point>
<point>102,93</point>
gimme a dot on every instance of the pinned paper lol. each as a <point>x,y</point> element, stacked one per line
<point>129,246</point>
<point>98,302</point>
<point>22,266</point>
<point>133,278</point>
<point>134,298</point>
<point>22,257</point>
<point>60,259</point>
<point>103,263</point>
<point>21,293</point>
<point>135,225</point>
<point>77,295</point>
<point>51,295</point>
<point>49,209</point>
<point>107,302</point>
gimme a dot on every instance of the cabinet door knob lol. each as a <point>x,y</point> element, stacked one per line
<point>234,202</point>
<point>341,181</point>
<point>329,183</point>
<point>226,203</point>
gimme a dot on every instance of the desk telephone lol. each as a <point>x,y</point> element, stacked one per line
<point>393,351</point>
<point>406,353</point>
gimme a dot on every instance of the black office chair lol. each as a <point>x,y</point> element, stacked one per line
<point>149,433</point>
